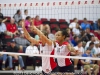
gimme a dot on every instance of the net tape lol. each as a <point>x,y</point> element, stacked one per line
<point>56,56</point>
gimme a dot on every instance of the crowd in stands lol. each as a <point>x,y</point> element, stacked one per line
<point>84,36</point>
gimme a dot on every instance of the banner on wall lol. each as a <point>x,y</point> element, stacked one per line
<point>48,4</point>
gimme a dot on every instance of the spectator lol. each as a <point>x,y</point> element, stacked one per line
<point>73,24</point>
<point>3,31</point>
<point>17,16</point>
<point>19,27</point>
<point>97,26</point>
<point>75,40</point>
<point>14,48</point>
<point>97,50</point>
<point>70,34</point>
<point>3,57</point>
<point>28,22</point>
<point>91,45</point>
<point>79,51</point>
<point>12,28</point>
<point>92,39</point>
<point>32,49</point>
<point>39,25</point>
<point>87,35</point>
<point>88,64</point>
<point>82,35</point>
<point>25,14</point>
<point>76,30</point>
<point>37,22</point>
<point>85,24</point>
<point>84,44</point>
<point>22,42</point>
<point>68,39</point>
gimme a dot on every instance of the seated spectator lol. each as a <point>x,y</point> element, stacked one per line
<point>32,49</point>
<point>97,50</point>
<point>85,24</point>
<point>38,24</point>
<point>17,16</point>
<point>12,28</point>
<point>87,35</point>
<point>3,57</point>
<point>75,40</point>
<point>96,47</point>
<point>79,51</point>
<point>70,34</point>
<point>19,27</point>
<point>68,40</point>
<point>73,24</point>
<point>76,30</point>
<point>82,35</point>
<point>28,22</point>
<point>88,64</point>
<point>25,14</point>
<point>92,39</point>
<point>14,48</point>
<point>3,31</point>
<point>22,42</point>
<point>84,44</point>
<point>97,26</point>
<point>91,45</point>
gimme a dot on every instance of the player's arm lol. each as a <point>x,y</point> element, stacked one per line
<point>28,36</point>
<point>41,35</point>
<point>70,48</point>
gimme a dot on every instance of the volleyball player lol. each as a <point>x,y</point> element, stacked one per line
<point>46,47</point>
<point>63,48</point>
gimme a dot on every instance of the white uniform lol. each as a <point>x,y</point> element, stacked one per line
<point>48,63</point>
<point>63,51</point>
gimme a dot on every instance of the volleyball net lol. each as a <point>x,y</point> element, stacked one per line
<point>57,9</point>
<point>54,56</point>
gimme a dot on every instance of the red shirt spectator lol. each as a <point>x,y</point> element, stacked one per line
<point>37,22</point>
<point>11,28</point>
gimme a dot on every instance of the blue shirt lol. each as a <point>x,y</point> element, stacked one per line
<point>92,51</point>
<point>96,27</point>
<point>84,26</point>
<point>74,43</point>
<point>86,55</point>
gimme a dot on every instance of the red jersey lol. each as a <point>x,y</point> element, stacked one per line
<point>11,28</point>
